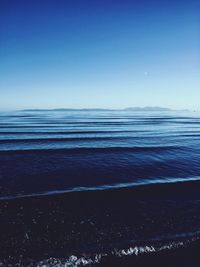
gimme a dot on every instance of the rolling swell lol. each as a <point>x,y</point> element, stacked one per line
<point>92,149</point>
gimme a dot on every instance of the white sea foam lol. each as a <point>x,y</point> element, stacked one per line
<point>75,261</point>
<point>72,261</point>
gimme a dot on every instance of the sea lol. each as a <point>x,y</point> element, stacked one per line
<point>99,188</point>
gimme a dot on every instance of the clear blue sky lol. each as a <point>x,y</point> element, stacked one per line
<point>99,53</point>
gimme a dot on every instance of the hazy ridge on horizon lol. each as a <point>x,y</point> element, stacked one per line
<point>146,108</point>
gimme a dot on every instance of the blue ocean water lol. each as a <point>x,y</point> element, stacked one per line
<point>46,151</point>
<point>97,182</point>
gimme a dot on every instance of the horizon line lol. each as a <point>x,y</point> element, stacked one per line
<point>134,108</point>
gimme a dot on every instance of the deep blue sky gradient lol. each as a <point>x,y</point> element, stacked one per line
<point>78,53</point>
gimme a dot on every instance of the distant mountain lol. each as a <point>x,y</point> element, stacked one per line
<point>148,109</point>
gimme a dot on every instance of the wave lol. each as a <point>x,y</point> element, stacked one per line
<point>87,124</point>
<point>87,138</point>
<point>94,149</point>
<point>151,254</point>
<point>46,139</point>
<point>71,132</point>
<point>174,188</point>
<point>97,259</point>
